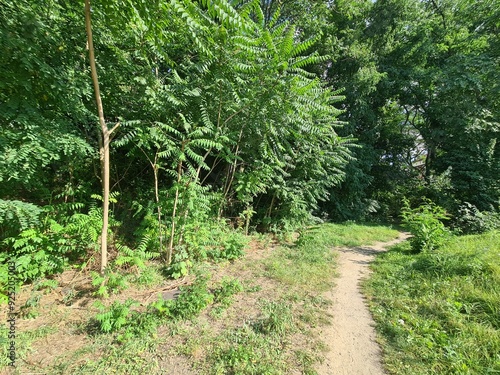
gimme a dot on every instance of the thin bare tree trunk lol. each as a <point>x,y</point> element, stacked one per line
<point>157,198</point>
<point>231,173</point>
<point>174,212</point>
<point>106,133</point>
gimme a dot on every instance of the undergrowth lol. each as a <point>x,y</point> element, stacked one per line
<point>266,345</point>
<point>260,331</point>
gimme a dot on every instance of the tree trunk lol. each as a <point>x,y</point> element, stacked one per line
<point>174,212</point>
<point>157,199</point>
<point>104,150</point>
<point>429,158</point>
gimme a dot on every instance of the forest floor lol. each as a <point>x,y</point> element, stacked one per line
<point>351,339</point>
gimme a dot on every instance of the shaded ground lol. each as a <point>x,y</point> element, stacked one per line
<point>351,338</point>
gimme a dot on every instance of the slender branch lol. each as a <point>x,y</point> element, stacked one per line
<point>114,128</point>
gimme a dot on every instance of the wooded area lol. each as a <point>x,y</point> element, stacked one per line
<point>224,117</point>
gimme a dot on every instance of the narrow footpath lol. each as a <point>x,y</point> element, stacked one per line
<point>351,338</point>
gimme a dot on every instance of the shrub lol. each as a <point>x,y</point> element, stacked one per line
<point>469,220</point>
<point>424,223</point>
<point>16,216</point>
<point>37,253</point>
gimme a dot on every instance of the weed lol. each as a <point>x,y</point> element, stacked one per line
<point>29,309</point>
<point>111,282</point>
<point>136,257</point>
<point>130,357</point>
<point>243,351</point>
<point>180,264</point>
<point>192,300</point>
<point>233,245</point>
<point>69,294</point>
<point>253,288</point>
<point>148,276</point>
<point>277,318</point>
<point>45,284</point>
<point>224,293</point>
<point>37,252</point>
<point>115,317</point>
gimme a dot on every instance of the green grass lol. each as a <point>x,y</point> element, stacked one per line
<point>350,234</point>
<point>254,348</point>
<point>23,342</point>
<point>132,357</point>
<point>310,262</point>
<point>439,312</point>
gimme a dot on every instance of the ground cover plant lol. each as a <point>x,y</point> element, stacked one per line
<point>438,312</point>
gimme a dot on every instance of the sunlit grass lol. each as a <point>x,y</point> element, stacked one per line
<point>310,262</point>
<point>439,312</point>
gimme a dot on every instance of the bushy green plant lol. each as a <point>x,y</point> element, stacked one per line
<point>16,216</point>
<point>470,220</point>
<point>224,293</point>
<point>191,301</point>
<point>149,276</point>
<point>135,257</point>
<point>116,316</point>
<point>180,263</point>
<point>110,282</point>
<point>425,224</point>
<point>85,229</point>
<point>230,246</point>
<point>38,252</point>
<point>44,247</point>
<point>213,240</point>
<point>38,248</point>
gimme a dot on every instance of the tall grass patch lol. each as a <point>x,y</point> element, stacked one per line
<point>438,312</point>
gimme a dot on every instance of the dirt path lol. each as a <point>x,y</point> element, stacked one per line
<point>351,337</point>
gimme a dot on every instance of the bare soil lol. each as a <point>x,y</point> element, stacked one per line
<point>353,349</point>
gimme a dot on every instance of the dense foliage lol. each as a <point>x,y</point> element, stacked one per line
<point>217,119</point>
<point>421,82</point>
<point>257,114</point>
